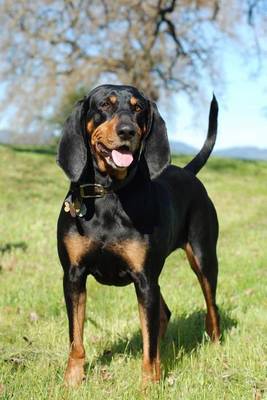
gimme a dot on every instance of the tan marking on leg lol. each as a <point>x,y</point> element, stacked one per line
<point>77,246</point>
<point>150,369</point>
<point>74,373</point>
<point>132,251</point>
<point>146,364</point>
<point>212,318</point>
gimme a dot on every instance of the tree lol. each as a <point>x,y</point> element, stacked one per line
<point>50,48</point>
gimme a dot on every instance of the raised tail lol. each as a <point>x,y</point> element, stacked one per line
<point>201,158</point>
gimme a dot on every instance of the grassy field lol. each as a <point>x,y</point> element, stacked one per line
<point>33,323</point>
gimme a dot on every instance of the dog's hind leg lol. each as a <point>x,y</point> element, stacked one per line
<point>165,316</point>
<point>206,270</point>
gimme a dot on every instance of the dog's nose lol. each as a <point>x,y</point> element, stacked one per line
<point>126,131</point>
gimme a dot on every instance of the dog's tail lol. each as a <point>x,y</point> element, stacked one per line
<point>201,158</point>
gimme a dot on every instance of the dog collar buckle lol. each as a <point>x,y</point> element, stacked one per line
<point>93,190</point>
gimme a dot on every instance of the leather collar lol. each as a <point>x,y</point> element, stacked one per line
<point>93,190</point>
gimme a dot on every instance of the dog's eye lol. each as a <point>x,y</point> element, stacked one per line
<point>105,104</point>
<point>137,108</point>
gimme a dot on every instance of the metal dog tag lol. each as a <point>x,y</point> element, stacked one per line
<point>69,207</point>
<point>66,206</point>
<point>82,211</point>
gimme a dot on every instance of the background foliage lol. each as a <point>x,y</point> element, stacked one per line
<point>51,49</point>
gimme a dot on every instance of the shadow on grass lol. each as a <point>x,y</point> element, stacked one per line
<point>8,247</point>
<point>184,333</point>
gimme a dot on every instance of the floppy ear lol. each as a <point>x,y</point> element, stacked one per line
<point>157,149</point>
<point>72,149</point>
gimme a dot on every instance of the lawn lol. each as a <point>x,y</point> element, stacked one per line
<point>33,323</point>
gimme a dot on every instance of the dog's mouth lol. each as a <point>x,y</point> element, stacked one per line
<point>118,158</point>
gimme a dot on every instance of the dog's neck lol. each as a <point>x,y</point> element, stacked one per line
<point>136,194</point>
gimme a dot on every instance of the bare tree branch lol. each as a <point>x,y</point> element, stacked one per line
<point>51,48</point>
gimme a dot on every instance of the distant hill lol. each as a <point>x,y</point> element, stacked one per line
<point>245,153</point>
<point>182,148</point>
<point>38,138</point>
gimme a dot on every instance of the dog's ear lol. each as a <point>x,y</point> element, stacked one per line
<point>72,150</point>
<point>156,147</point>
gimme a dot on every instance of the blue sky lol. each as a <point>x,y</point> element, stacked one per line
<point>242,100</point>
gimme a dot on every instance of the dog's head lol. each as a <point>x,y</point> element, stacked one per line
<point>114,124</point>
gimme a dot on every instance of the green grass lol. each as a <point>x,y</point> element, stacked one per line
<point>33,323</point>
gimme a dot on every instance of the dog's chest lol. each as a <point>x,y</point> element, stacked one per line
<point>111,245</point>
<point>110,248</point>
<point>115,262</point>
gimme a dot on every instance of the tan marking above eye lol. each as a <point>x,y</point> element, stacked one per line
<point>113,99</point>
<point>133,101</point>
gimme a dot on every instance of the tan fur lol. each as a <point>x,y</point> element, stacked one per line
<point>90,126</point>
<point>77,246</point>
<point>113,99</point>
<point>151,368</point>
<point>212,319</point>
<point>105,132</point>
<point>74,373</point>
<point>133,101</point>
<point>132,251</point>
<point>147,369</point>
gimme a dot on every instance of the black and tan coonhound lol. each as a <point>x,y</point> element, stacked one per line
<point>126,210</point>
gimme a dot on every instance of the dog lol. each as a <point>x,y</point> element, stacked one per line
<point>126,210</point>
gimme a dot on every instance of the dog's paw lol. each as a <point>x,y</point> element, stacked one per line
<point>74,374</point>
<point>213,328</point>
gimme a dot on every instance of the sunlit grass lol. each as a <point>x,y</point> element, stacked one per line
<point>33,323</point>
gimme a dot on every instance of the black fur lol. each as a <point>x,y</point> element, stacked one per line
<point>72,151</point>
<point>161,206</point>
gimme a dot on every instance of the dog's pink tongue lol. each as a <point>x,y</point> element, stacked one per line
<point>122,158</point>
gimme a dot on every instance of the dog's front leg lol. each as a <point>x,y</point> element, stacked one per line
<point>148,295</point>
<point>74,283</point>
